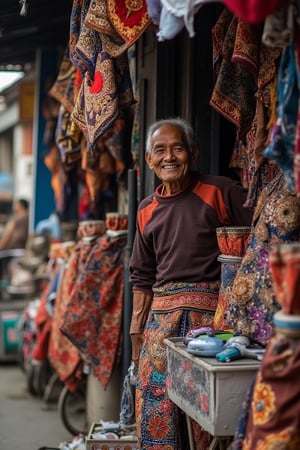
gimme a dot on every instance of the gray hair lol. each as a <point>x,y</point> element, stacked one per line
<point>185,127</point>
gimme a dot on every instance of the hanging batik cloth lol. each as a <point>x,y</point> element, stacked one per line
<point>274,410</point>
<point>236,47</point>
<point>253,11</point>
<point>99,104</point>
<point>62,354</point>
<point>252,303</point>
<point>63,87</point>
<point>282,141</point>
<point>93,318</point>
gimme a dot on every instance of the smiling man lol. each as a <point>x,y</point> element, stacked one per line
<point>174,271</point>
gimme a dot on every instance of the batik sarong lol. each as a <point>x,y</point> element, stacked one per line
<point>176,308</point>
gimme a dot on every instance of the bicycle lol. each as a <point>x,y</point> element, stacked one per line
<point>72,407</point>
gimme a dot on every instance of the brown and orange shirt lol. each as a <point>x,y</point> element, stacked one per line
<point>176,235</point>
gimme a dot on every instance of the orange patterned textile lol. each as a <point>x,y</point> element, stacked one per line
<point>62,354</point>
<point>93,318</point>
<point>274,413</point>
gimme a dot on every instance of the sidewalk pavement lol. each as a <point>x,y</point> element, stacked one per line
<point>26,422</point>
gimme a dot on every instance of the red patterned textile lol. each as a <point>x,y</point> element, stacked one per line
<point>93,318</point>
<point>253,10</point>
<point>130,18</point>
<point>284,268</point>
<point>236,61</point>
<point>99,104</point>
<point>43,323</point>
<point>63,355</point>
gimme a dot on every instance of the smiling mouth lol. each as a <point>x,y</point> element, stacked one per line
<point>170,166</point>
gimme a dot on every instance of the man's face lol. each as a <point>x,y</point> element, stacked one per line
<point>170,159</point>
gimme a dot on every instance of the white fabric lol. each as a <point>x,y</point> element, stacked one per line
<point>178,13</point>
<point>169,25</point>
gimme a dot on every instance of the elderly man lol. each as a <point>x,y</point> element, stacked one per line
<point>174,270</point>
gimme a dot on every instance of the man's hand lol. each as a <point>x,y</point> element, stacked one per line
<point>136,342</point>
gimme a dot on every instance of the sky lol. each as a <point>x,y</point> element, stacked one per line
<point>8,77</point>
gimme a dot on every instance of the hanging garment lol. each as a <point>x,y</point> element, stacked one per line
<point>177,14</point>
<point>63,87</point>
<point>154,10</point>
<point>296,167</point>
<point>93,318</point>
<point>253,11</point>
<point>253,303</point>
<point>43,325</point>
<point>87,50</point>
<point>236,48</point>
<point>68,139</point>
<point>229,268</point>
<point>279,27</point>
<point>63,355</point>
<point>113,43</point>
<point>53,163</point>
<point>78,13</point>
<point>260,170</point>
<point>274,413</point>
<point>130,18</point>
<point>75,25</point>
<point>169,25</point>
<point>99,104</point>
<point>283,136</point>
<point>97,18</point>
<point>284,268</point>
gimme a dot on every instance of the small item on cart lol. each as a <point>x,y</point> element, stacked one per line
<point>207,346</point>
<point>197,331</point>
<point>205,331</point>
<point>239,347</point>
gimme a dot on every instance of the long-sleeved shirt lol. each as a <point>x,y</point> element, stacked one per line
<point>176,239</point>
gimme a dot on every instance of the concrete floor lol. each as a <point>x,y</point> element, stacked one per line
<point>26,423</point>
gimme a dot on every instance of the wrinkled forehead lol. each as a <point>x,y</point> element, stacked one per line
<point>168,133</point>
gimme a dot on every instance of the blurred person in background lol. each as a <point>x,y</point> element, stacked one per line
<point>15,233</point>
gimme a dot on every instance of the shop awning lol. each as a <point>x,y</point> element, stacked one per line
<point>46,24</point>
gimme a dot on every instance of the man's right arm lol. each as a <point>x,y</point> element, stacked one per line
<point>140,309</point>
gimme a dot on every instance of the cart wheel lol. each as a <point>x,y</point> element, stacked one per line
<point>72,410</point>
<point>31,379</point>
<point>38,375</point>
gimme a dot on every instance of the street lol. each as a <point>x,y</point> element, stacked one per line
<point>26,422</point>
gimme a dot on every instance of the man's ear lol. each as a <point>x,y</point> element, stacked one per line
<point>148,159</point>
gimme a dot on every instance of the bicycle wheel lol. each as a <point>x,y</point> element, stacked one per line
<point>72,410</point>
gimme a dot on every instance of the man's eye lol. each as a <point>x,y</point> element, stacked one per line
<point>159,150</point>
<point>178,148</point>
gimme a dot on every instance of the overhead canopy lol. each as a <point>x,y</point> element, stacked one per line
<point>46,24</point>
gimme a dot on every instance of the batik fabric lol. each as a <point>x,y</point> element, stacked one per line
<point>176,308</point>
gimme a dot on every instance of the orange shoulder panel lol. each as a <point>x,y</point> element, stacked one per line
<point>145,214</point>
<point>212,195</point>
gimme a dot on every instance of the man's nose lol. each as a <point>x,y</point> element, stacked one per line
<point>169,153</point>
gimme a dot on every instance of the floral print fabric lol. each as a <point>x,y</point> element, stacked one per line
<point>253,303</point>
<point>157,417</point>
<point>93,317</point>
<point>62,354</point>
<point>274,412</point>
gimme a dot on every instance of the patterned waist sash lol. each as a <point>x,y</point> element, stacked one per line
<point>177,295</point>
